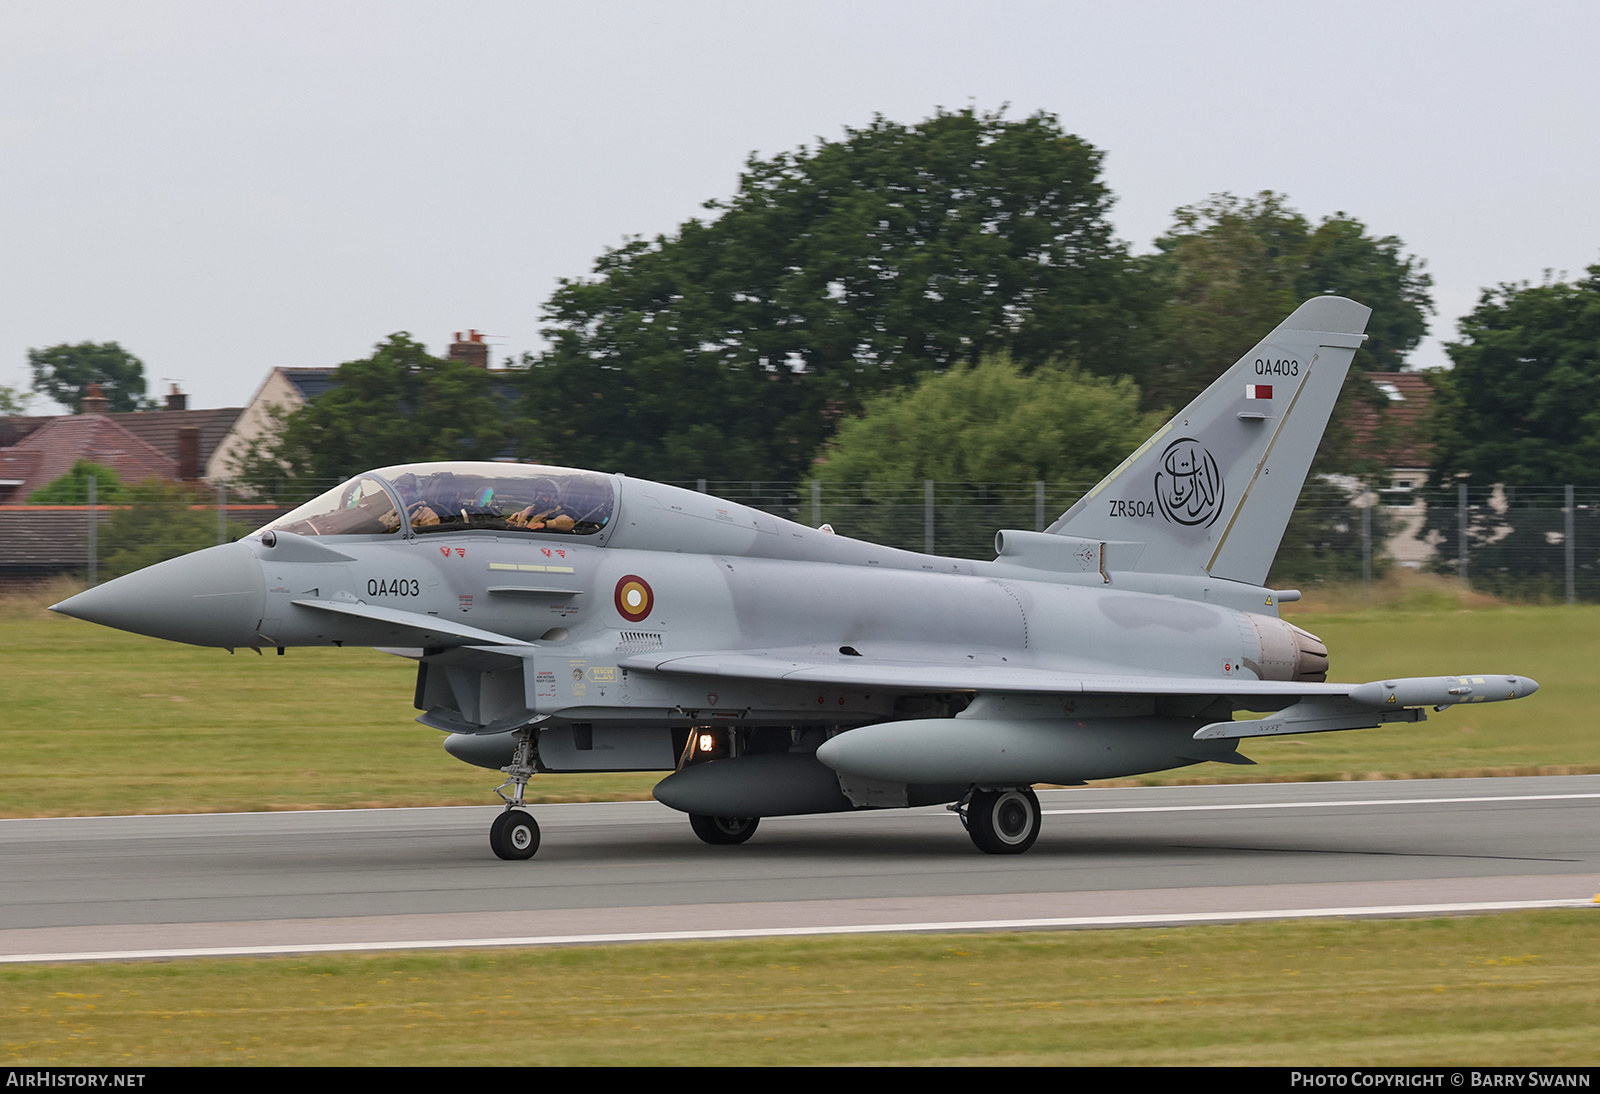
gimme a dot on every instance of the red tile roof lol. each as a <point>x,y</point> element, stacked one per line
<point>1397,434</point>
<point>58,444</point>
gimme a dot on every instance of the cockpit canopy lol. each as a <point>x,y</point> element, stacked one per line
<point>454,497</point>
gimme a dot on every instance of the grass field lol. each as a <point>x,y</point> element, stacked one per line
<point>99,721</point>
<point>1494,990</point>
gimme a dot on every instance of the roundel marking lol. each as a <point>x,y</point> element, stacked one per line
<point>634,598</point>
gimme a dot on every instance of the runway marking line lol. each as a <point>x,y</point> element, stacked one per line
<point>1313,805</point>
<point>1062,923</point>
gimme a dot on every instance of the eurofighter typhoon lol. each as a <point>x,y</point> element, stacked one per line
<point>566,620</point>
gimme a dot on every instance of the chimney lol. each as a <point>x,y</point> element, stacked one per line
<point>470,349</point>
<point>188,452</point>
<point>177,400</point>
<point>95,401</point>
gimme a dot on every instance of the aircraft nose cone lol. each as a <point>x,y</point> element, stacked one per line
<point>210,598</point>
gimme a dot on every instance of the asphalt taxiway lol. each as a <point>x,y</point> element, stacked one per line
<point>103,887</point>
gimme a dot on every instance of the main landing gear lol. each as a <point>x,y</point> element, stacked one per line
<point>1001,822</point>
<point>515,834</point>
<point>723,830</point>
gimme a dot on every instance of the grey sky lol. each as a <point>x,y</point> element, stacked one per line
<point>225,187</point>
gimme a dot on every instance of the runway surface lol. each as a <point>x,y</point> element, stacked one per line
<point>99,887</point>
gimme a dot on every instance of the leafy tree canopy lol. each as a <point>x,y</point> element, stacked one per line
<point>729,349</point>
<point>1522,405</point>
<point>992,422</point>
<point>13,401</point>
<point>398,406</point>
<point>64,372</point>
<point>1234,267</point>
<point>73,487</point>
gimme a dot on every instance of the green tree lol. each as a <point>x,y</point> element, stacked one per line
<point>12,401</point>
<point>1232,268</point>
<point>985,433</point>
<point>73,487</point>
<point>992,422</point>
<point>1522,404</point>
<point>400,405</point>
<point>730,349</point>
<point>64,372</point>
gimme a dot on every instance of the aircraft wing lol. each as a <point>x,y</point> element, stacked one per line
<point>941,673</point>
<point>1302,707</point>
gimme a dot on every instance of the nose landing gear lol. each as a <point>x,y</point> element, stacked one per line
<point>515,834</point>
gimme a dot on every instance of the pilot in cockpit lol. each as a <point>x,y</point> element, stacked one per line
<point>441,498</point>
<point>545,513</point>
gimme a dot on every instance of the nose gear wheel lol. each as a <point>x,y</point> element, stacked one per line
<point>514,835</point>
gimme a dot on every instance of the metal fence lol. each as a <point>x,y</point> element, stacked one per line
<point>1538,543</point>
<point>1530,543</point>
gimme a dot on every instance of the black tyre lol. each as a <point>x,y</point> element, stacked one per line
<point>514,835</point>
<point>1003,822</point>
<point>723,830</point>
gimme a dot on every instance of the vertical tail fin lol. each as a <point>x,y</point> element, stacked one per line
<point>1212,491</point>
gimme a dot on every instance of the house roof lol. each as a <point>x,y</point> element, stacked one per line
<point>159,428</point>
<point>310,382</point>
<point>1396,434</point>
<point>55,446</point>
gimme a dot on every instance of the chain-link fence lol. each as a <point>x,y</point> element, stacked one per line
<point>1520,543</point>
<point>1532,543</point>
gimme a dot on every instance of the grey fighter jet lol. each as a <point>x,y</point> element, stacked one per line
<point>566,620</point>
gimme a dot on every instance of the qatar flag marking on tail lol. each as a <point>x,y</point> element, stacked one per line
<point>1258,391</point>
